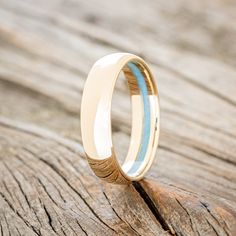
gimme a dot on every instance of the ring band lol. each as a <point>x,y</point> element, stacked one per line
<point>96,118</point>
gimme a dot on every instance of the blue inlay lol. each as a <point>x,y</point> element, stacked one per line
<point>146,121</point>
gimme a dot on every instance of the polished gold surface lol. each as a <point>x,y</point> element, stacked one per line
<point>96,118</point>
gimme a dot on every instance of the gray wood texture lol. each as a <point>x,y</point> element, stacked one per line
<point>46,51</point>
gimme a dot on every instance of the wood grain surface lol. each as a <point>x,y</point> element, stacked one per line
<point>46,51</point>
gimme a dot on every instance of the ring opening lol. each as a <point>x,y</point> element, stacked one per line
<point>143,99</point>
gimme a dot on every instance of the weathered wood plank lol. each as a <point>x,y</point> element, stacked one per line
<point>45,54</point>
<point>52,190</point>
<point>21,170</point>
<point>187,213</point>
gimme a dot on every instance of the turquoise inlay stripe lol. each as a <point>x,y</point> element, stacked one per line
<point>147,116</point>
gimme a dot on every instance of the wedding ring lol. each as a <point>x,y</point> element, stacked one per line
<point>96,118</point>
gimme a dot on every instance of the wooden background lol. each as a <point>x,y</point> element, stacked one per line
<point>46,51</point>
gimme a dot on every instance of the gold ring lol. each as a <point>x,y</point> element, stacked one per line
<point>96,118</point>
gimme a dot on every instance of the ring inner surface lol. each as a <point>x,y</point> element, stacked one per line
<point>142,92</point>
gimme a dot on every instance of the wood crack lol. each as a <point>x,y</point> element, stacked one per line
<point>18,183</point>
<point>217,234</point>
<point>152,207</point>
<point>75,190</point>
<point>45,190</point>
<point>19,215</point>
<point>1,228</point>
<point>81,228</point>
<point>49,218</point>
<point>206,206</point>
<point>5,218</point>
<point>113,209</point>
<point>189,216</point>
